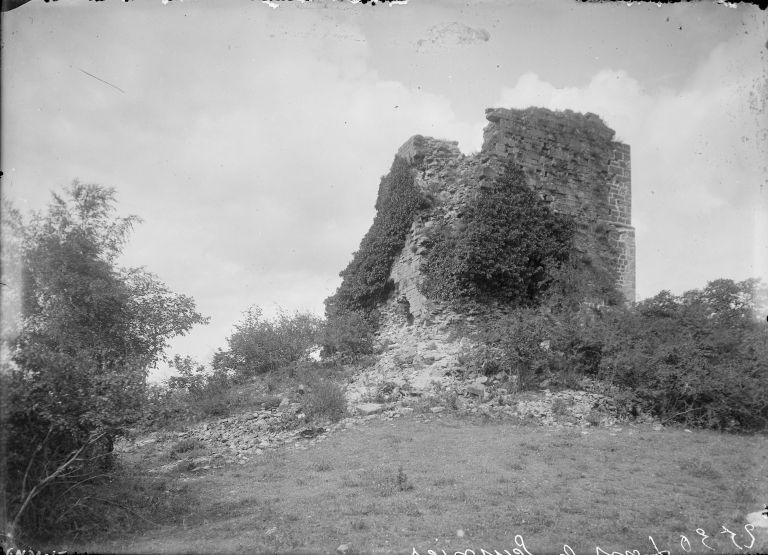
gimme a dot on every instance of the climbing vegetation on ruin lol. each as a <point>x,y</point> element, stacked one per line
<point>582,278</point>
<point>366,280</point>
<point>347,335</point>
<point>510,245</point>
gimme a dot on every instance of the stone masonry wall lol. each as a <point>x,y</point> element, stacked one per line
<point>573,161</point>
<point>448,177</point>
<point>620,216</point>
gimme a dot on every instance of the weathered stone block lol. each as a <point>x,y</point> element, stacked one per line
<point>367,409</point>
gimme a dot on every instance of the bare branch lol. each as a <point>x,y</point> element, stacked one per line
<point>32,459</point>
<point>84,480</point>
<point>48,479</point>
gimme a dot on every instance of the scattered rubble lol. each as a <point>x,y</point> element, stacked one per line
<point>476,389</point>
<point>237,439</point>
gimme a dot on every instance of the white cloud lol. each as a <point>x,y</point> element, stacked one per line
<point>252,142</point>
<point>697,162</point>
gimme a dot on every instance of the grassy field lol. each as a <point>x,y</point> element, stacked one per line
<point>442,483</point>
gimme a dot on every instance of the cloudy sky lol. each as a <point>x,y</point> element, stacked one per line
<point>251,136</point>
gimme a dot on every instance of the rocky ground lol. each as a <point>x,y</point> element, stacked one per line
<point>239,438</point>
<point>419,370</point>
<point>412,358</point>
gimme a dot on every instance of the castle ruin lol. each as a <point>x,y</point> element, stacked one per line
<point>570,159</point>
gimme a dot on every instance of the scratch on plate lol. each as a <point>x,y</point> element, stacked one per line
<point>102,80</point>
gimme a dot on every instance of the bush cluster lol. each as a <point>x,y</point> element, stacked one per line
<point>259,345</point>
<point>505,248</point>
<point>700,359</point>
<point>348,335</point>
<point>325,400</point>
<point>194,393</point>
<point>516,345</point>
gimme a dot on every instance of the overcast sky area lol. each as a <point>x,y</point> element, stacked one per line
<point>251,138</point>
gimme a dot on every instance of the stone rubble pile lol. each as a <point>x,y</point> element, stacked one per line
<point>413,362</point>
<point>419,362</point>
<point>237,439</point>
<point>419,370</point>
<point>415,357</point>
<point>561,408</point>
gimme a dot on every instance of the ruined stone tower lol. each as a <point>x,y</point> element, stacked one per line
<point>570,159</point>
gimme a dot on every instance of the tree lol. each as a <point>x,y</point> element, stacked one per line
<point>88,334</point>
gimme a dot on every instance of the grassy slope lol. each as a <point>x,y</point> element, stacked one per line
<point>491,480</point>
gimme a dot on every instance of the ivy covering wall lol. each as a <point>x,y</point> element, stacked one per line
<point>366,280</point>
<point>505,248</point>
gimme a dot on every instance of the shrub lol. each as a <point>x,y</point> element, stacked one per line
<point>515,345</point>
<point>259,345</point>
<point>125,501</point>
<point>700,358</point>
<point>164,407</point>
<point>269,402</point>
<point>560,407</point>
<point>402,481</point>
<point>583,278</point>
<point>386,482</point>
<point>348,334</point>
<point>195,392</point>
<point>191,378</point>
<point>510,244</point>
<point>593,418</point>
<point>185,445</point>
<point>326,400</point>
